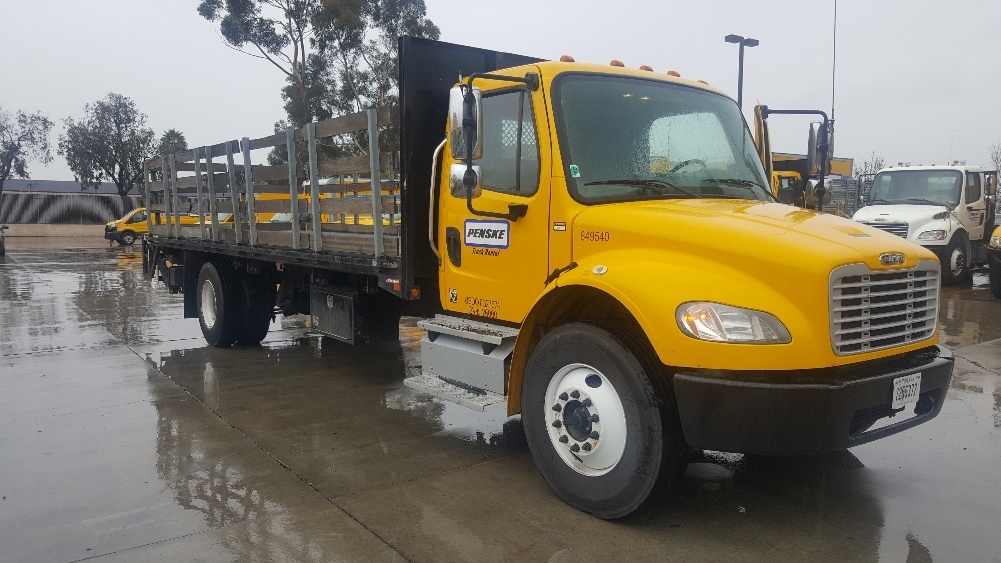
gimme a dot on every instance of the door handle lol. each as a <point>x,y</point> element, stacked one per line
<point>454,246</point>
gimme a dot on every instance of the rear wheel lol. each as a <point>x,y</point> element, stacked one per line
<point>218,306</point>
<point>603,431</point>
<point>259,309</point>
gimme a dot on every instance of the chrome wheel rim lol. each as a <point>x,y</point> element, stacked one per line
<point>957,262</point>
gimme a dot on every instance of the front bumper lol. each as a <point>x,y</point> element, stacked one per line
<point>819,411</point>
<point>111,233</point>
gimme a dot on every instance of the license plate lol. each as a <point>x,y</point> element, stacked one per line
<point>905,390</point>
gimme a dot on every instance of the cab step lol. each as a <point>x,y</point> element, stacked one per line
<point>465,362</point>
<point>447,391</point>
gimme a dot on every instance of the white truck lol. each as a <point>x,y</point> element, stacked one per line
<point>949,210</point>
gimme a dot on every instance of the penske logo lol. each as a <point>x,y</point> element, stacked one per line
<point>487,234</point>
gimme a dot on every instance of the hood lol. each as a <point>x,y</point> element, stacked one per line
<point>898,213</point>
<point>744,231</point>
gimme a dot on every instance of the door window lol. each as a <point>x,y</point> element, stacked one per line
<point>510,160</point>
<point>972,188</point>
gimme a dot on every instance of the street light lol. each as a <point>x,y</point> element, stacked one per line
<point>743,42</point>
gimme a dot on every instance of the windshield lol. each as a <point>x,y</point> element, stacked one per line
<point>919,187</point>
<point>626,139</point>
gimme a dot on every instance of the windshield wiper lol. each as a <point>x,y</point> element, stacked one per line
<point>925,201</point>
<point>643,183</point>
<point>877,201</point>
<point>734,182</point>
<point>741,183</point>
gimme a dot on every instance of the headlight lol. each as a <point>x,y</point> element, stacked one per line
<point>995,242</point>
<point>932,235</point>
<point>721,323</point>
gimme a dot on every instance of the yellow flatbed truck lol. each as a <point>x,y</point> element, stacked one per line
<point>595,247</point>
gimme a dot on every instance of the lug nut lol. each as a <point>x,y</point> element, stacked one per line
<point>586,447</point>
<point>557,424</point>
<point>575,448</point>
<point>575,394</point>
<point>586,402</point>
<point>564,439</point>
<point>594,435</point>
<point>563,396</point>
<point>557,407</point>
<point>593,418</point>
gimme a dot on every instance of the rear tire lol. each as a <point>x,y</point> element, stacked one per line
<point>259,308</point>
<point>615,440</point>
<point>218,306</point>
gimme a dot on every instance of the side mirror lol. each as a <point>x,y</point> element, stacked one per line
<point>810,193</point>
<point>812,168</point>
<point>455,185</point>
<point>456,116</point>
<point>992,185</point>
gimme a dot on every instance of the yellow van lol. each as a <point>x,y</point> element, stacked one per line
<point>126,230</point>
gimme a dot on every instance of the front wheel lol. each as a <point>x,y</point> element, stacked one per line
<point>602,429</point>
<point>954,268</point>
<point>128,238</point>
<point>994,274</point>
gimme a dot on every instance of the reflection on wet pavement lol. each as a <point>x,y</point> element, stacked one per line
<point>123,436</point>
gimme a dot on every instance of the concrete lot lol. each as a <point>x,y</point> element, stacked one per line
<point>123,437</point>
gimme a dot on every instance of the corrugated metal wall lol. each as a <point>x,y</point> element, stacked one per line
<point>63,209</point>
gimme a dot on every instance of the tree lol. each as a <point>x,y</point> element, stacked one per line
<point>869,166</point>
<point>172,141</point>
<point>23,137</point>
<point>110,143</point>
<point>995,152</point>
<point>281,32</point>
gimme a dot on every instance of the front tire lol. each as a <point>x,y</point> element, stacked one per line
<point>128,238</point>
<point>954,269</point>
<point>603,430</point>
<point>218,306</point>
<point>994,273</point>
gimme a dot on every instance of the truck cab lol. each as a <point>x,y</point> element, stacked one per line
<point>946,209</point>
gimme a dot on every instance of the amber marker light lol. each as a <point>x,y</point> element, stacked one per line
<point>567,59</point>
<point>415,293</point>
<point>674,73</point>
<point>647,68</point>
<point>616,62</point>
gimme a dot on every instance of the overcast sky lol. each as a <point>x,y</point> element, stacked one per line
<point>916,80</point>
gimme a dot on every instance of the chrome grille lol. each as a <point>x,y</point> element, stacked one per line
<point>899,229</point>
<point>877,310</point>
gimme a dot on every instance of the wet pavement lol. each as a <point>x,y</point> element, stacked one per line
<point>123,437</point>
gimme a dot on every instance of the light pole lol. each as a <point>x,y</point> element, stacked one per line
<point>743,42</point>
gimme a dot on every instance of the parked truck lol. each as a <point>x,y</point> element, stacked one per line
<point>994,262</point>
<point>950,210</point>
<point>594,247</point>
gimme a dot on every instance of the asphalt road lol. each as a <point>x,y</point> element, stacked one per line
<point>123,437</point>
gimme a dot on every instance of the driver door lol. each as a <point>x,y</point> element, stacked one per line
<point>495,268</point>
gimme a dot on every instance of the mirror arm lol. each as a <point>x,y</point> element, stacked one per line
<point>469,180</point>
<point>824,145</point>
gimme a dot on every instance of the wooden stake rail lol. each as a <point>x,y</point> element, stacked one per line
<point>341,205</point>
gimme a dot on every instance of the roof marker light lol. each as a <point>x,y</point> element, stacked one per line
<point>703,82</point>
<point>674,73</point>
<point>646,68</point>
<point>616,62</point>
<point>567,59</point>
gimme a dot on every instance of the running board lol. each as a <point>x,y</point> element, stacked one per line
<point>438,387</point>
